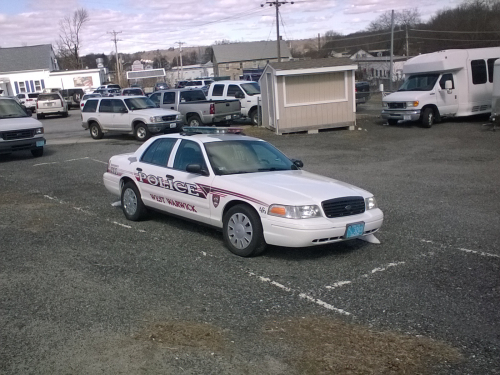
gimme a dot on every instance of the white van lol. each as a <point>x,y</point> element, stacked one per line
<point>247,91</point>
<point>443,84</point>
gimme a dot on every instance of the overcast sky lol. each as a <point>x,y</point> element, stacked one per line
<point>159,24</point>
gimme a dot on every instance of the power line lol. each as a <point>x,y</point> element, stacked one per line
<point>457,32</point>
<point>456,40</point>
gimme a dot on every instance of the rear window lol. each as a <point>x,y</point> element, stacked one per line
<point>90,106</point>
<point>132,92</point>
<point>114,87</point>
<point>191,96</point>
<point>48,97</point>
<point>35,95</point>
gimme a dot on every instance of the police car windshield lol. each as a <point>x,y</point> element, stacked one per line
<point>135,104</point>
<point>9,108</point>
<point>246,156</point>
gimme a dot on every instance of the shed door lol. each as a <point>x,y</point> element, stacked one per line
<point>270,99</point>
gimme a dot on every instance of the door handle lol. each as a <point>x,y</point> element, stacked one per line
<point>138,169</point>
<point>169,177</point>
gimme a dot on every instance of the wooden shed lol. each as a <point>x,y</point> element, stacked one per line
<point>308,95</point>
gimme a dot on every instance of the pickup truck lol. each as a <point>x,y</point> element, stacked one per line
<point>195,108</point>
<point>246,91</point>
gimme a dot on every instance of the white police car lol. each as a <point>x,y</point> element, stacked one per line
<point>243,185</point>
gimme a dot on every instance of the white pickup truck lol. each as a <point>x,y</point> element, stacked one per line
<point>247,92</point>
<point>196,110</point>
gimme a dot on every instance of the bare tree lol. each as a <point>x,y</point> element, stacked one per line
<point>406,17</point>
<point>68,46</point>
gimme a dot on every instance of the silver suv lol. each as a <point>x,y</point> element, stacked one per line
<point>51,104</point>
<point>18,130</point>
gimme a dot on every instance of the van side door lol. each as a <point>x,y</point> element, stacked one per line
<point>447,99</point>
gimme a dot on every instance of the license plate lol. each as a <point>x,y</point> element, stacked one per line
<point>49,104</point>
<point>407,117</point>
<point>228,117</point>
<point>173,125</point>
<point>40,143</point>
<point>354,230</point>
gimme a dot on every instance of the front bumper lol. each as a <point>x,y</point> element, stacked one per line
<point>7,147</point>
<point>408,115</point>
<point>165,127</point>
<point>312,232</point>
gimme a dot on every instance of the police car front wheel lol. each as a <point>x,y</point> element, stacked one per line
<point>132,205</point>
<point>242,231</point>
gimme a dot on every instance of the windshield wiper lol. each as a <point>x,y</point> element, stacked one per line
<point>272,169</point>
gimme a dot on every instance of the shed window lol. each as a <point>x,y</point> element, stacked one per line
<point>315,88</point>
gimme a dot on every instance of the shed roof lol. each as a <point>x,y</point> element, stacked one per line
<point>311,64</point>
<point>17,59</point>
<point>226,53</point>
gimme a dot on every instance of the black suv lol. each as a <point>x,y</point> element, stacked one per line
<point>362,92</point>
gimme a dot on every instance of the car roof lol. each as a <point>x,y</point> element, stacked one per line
<point>234,81</point>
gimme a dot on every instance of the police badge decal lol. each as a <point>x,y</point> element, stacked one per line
<point>215,200</point>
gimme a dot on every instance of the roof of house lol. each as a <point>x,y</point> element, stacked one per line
<point>311,64</point>
<point>17,59</point>
<point>234,52</point>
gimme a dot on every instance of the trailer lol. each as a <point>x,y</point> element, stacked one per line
<point>443,84</point>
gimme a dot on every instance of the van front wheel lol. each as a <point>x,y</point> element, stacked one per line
<point>428,118</point>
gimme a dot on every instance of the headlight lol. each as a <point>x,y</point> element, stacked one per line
<point>370,203</point>
<point>295,212</point>
<point>39,131</point>
<point>384,105</point>
<point>178,117</point>
<point>412,104</point>
<point>155,119</point>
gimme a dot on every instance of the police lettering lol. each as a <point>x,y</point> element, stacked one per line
<point>169,184</point>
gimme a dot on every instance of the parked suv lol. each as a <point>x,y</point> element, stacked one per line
<point>135,115</point>
<point>362,92</point>
<point>18,130</point>
<point>72,97</point>
<point>132,91</point>
<point>51,104</point>
<point>110,86</point>
<point>28,99</point>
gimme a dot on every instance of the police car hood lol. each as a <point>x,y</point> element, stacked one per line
<point>289,187</point>
<point>18,123</point>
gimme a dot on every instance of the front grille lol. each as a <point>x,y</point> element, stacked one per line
<point>396,105</point>
<point>169,118</point>
<point>17,134</point>
<point>346,206</point>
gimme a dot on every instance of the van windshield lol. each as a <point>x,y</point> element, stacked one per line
<point>9,108</point>
<point>252,88</point>
<point>420,82</point>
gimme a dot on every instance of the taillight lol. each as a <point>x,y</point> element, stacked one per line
<point>62,105</point>
<point>212,109</point>
<point>37,104</point>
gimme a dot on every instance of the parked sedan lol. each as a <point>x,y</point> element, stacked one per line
<point>242,185</point>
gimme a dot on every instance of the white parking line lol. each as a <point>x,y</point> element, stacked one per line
<point>122,225</point>
<point>103,162</point>
<point>301,295</point>
<point>482,253</point>
<point>86,157</point>
<point>37,165</point>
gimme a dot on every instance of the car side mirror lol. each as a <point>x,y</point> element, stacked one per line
<point>239,95</point>
<point>448,85</point>
<point>124,110</point>
<point>297,163</point>
<point>197,169</point>
<point>28,112</point>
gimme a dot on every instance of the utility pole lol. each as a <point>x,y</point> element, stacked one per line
<point>392,49</point>
<point>407,48</point>
<point>277,4</point>
<point>118,70</point>
<point>180,57</point>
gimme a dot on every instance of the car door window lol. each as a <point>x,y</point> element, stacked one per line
<point>106,106</point>
<point>233,89</point>
<point>118,106</point>
<point>446,77</point>
<point>218,90</point>
<point>189,152</point>
<point>155,98</point>
<point>169,98</point>
<point>159,152</point>
<point>90,106</point>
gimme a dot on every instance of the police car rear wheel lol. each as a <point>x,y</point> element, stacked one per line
<point>242,231</point>
<point>132,205</point>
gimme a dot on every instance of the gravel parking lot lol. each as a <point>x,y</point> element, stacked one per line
<point>84,291</point>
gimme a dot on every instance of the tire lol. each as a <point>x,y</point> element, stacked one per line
<point>428,118</point>
<point>95,131</point>
<point>132,206</point>
<point>65,114</point>
<point>242,231</point>
<point>195,121</point>
<point>254,117</point>
<point>37,152</point>
<point>141,132</point>
<point>392,122</point>
<point>40,116</point>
